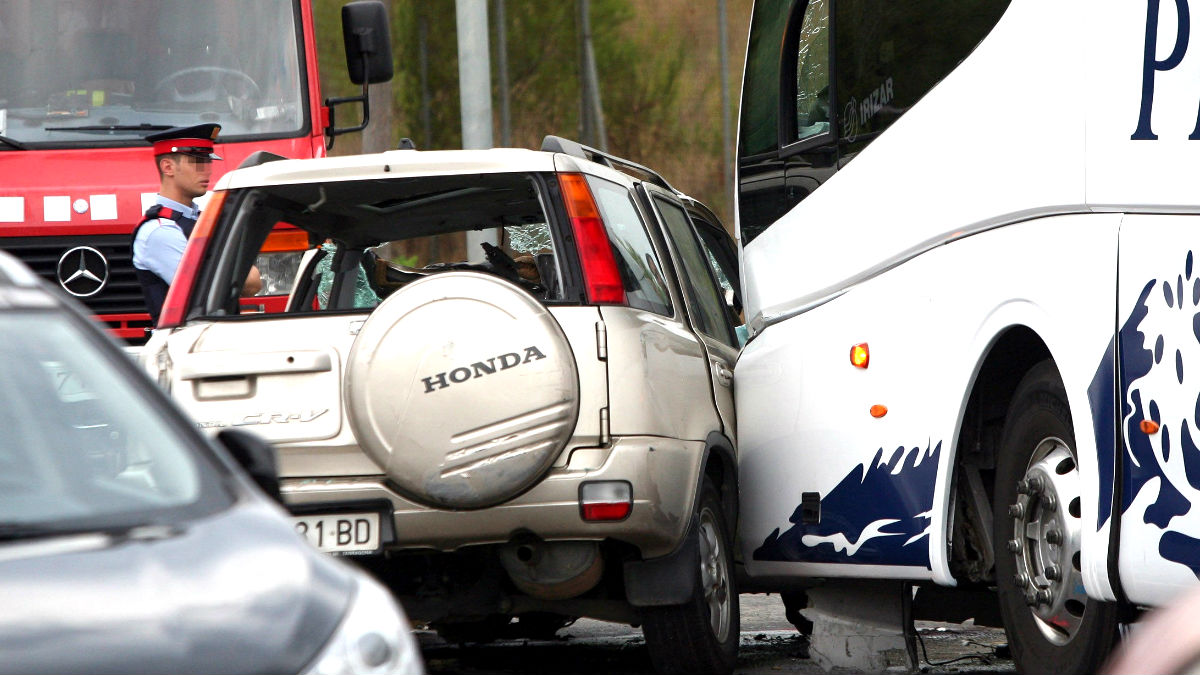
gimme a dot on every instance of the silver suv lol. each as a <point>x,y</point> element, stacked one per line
<point>502,380</point>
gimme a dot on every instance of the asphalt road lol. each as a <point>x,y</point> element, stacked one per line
<point>769,645</point>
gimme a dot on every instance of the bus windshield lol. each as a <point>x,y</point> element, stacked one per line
<point>108,72</point>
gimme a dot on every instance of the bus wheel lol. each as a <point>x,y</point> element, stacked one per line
<point>1052,625</point>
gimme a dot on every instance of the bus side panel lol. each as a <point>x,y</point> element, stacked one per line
<point>1142,112</point>
<point>1159,314</point>
<point>805,417</point>
<point>999,139</point>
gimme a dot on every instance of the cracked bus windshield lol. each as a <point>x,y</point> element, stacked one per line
<point>107,72</point>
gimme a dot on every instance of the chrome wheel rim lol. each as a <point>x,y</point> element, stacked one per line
<point>714,576</point>
<point>1047,531</point>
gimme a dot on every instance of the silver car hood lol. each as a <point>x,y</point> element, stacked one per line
<point>237,592</point>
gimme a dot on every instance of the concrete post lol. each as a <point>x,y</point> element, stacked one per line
<point>502,73</point>
<point>475,93</point>
<point>863,625</point>
<point>474,73</point>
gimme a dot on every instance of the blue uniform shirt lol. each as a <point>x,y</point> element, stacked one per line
<point>159,244</point>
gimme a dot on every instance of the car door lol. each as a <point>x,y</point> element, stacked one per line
<point>708,313</point>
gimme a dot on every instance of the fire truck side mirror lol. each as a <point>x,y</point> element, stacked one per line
<point>368,42</point>
<point>368,58</point>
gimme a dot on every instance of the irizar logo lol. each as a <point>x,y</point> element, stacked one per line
<point>481,368</point>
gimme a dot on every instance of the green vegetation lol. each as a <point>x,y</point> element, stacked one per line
<point>658,66</point>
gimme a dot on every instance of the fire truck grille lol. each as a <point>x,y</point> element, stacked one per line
<point>120,294</point>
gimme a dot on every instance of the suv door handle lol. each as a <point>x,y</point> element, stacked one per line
<point>724,375</point>
<point>229,364</point>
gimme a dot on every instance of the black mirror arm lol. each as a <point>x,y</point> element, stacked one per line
<point>332,130</point>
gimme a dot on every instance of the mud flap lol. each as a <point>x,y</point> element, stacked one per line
<point>669,580</point>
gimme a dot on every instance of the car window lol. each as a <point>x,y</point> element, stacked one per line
<point>364,295</point>
<point>705,300</point>
<point>377,236</point>
<point>81,444</point>
<point>721,252</point>
<point>812,73</point>
<point>645,286</point>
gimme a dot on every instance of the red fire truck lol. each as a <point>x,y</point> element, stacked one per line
<point>82,82</point>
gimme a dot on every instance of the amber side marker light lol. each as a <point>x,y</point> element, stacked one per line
<point>860,355</point>
<point>1149,426</point>
<point>878,411</point>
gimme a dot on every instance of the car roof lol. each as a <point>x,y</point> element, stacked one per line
<point>556,154</point>
<point>390,164</point>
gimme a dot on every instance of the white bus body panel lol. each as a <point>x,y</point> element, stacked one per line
<point>944,231</point>
<point>1160,353</point>
<point>999,139</point>
<point>1138,175</point>
<point>804,410</point>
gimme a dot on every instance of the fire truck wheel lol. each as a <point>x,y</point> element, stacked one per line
<point>700,636</point>
<point>1052,625</point>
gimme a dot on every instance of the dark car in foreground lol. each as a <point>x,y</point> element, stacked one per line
<point>131,544</point>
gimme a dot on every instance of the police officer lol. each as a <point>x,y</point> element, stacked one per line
<point>184,157</point>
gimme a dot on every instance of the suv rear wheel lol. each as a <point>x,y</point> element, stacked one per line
<point>701,635</point>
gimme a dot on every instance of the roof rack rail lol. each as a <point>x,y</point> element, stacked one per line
<point>575,149</point>
<point>259,157</point>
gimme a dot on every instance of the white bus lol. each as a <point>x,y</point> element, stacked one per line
<point>969,234</point>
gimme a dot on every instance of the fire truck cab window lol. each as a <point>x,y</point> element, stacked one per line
<point>92,73</point>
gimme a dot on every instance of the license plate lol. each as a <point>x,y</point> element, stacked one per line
<point>342,532</point>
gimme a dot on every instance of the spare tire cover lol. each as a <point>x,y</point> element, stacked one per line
<point>464,389</point>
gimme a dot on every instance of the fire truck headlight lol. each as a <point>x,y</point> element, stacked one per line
<point>278,271</point>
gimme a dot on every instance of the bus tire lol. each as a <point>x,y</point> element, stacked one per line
<point>701,635</point>
<point>1052,626</point>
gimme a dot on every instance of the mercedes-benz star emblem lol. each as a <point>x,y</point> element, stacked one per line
<point>83,271</point>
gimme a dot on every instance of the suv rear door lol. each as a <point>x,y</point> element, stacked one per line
<point>709,315</point>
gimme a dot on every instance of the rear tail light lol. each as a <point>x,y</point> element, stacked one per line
<point>608,500</point>
<point>180,292</point>
<point>600,274</point>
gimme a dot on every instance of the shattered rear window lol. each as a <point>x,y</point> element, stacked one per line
<point>369,238</point>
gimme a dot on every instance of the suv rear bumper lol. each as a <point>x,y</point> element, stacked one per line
<point>663,473</point>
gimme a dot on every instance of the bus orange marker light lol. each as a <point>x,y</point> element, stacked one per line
<point>1149,427</point>
<point>878,411</point>
<point>860,355</point>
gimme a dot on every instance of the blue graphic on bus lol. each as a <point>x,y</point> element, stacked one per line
<point>1161,470</point>
<point>877,515</point>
